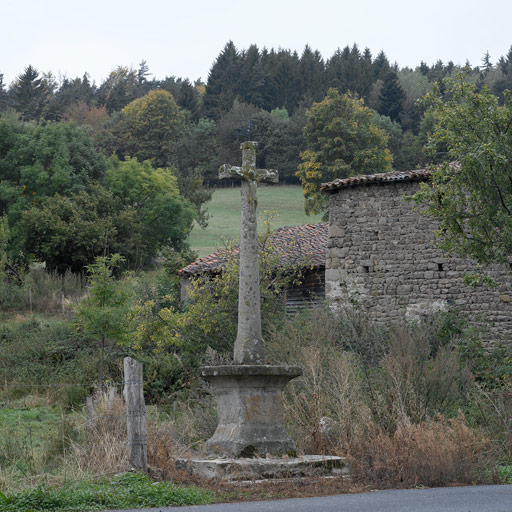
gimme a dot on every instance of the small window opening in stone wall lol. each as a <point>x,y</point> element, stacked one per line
<point>366,269</point>
<point>440,267</point>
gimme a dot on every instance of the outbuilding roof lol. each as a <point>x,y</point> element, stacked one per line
<point>301,245</point>
<point>380,178</point>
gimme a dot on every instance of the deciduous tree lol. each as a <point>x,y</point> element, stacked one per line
<point>103,313</point>
<point>152,128</point>
<point>471,198</point>
<point>342,138</point>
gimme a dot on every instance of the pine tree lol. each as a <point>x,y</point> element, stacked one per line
<point>505,81</point>
<point>29,95</point>
<point>486,63</point>
<point>120,88</point>
<point>71,92</point>
<point>391,97</point>
<point>284,80</point>
<point>252,78</point>
<point>223,82</point>
<point>3,94</point>
<point>381,66</point>
<point>424,69</point>
<point>188,99</point>
<point>312,71</point>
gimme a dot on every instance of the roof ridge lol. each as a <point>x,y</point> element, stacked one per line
<point>381,177</point>
<point>311,241</point>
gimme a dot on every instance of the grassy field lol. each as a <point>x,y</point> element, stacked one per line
<point>285,203</point>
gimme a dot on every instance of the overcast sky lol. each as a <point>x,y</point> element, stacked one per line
<point>183,38</point>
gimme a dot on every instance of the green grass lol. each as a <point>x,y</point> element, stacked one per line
<point>285,202</point>
<point>32,436</point>
<point>505,473</point>
<point>129,490</point>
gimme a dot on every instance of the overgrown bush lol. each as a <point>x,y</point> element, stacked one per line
<point>209,318</point>
<point>45,356</point>
<point>392,406</point>
<point>40,291</point>
<point>50,292</point>
<point>431,453</point>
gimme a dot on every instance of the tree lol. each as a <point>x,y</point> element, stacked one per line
<point>120,88</point>
<point>252,77</point>
<point>188,99</point>
<point>486,63</point>
<point>136,213</point>
<point>284,84</point>
<point>342,138</point>
<point>164,217</point>
<point>68,233</point>
<point>71,93</point>
<point>151,129</point>
<point>37,161</point>
<point>415,85</point>
<point>470,193</point>
<point>30,95</point>
<point>312,71</point>
<point>391,97</point>
<point>222,86</point>
<point>103,314</point>
<point>4,99</point>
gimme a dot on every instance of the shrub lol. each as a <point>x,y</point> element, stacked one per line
<point>490,408</point>
<point>436,452</point>
<point>392,408</point>
<point>412,383</point>
<point>44,355</point>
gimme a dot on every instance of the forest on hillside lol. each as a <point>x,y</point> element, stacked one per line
<point>135,150</point>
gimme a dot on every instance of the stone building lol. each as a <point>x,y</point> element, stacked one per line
<point>382,258</point>
<point>300,248</point>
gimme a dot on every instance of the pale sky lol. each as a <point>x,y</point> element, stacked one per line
<point>183,38</point>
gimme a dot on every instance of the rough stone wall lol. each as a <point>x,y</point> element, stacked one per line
<point>381,257</point>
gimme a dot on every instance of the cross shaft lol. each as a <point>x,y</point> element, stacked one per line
<point>249,347</point>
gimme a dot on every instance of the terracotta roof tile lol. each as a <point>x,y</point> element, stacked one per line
<point>368,179</point>
<point>293,244</point>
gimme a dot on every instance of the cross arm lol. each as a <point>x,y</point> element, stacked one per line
<point>232,172</point>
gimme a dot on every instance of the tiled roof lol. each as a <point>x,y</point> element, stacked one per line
<point>304,244</point>
<point>368,179</point>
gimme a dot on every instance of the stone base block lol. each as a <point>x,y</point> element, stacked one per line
<point>233,470</point>
<point>250,410</point>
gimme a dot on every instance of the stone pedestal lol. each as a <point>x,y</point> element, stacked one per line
<point>250,409</point>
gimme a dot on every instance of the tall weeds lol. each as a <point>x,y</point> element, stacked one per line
<point>390,400</point>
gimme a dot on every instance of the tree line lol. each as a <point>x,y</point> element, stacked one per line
<point>123,166</point>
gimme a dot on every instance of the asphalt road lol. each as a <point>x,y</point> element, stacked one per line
<point>481,498</point>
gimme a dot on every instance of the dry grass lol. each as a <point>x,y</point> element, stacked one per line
<point>393,412</point>
<point>102,449</point>
<point>433,453</point>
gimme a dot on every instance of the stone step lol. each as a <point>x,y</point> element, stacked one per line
<point>255,469</point>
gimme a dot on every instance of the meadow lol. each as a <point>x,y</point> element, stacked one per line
<point>285,204</point>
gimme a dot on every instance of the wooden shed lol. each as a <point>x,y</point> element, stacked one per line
<point>301,247</point>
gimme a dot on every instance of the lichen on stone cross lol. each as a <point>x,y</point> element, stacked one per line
<point>249,347</point>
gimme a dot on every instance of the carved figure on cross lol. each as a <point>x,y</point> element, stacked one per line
<point>249,347</point>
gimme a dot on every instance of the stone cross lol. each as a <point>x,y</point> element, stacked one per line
<point>249,347</point>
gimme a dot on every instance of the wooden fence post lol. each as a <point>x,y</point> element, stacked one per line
<point>135,414</point>
<point>112,391</point>
<point>89,413</point>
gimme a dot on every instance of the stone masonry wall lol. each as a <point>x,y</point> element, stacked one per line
<point>381,257</point>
